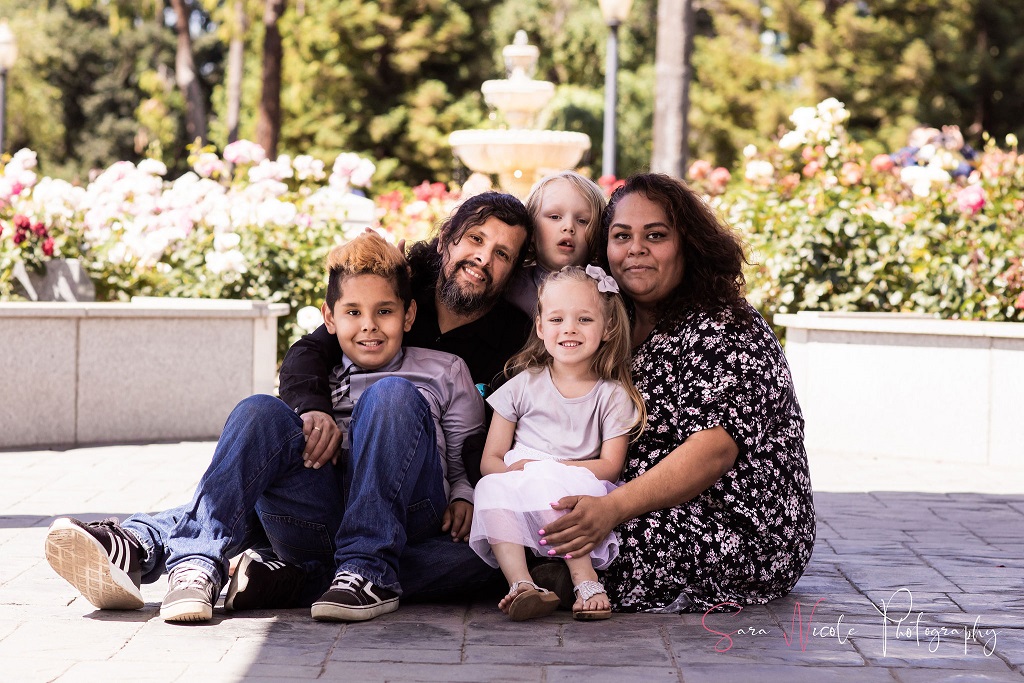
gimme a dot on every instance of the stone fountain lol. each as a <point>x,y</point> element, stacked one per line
<point>520,154</point>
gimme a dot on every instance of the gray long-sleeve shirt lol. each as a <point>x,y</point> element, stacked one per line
<point>455,404</point>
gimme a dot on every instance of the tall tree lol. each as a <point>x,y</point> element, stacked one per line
<point>76,89</point>
<point>268,124</point>
<point>185,74</point>
<point>236,65</point>
<point>673,73</point>
<point>386,79</point>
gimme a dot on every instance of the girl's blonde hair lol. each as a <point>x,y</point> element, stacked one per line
<point>612,360</point>
<point>589,190</point>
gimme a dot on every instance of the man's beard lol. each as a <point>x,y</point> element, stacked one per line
<point>461,302</point>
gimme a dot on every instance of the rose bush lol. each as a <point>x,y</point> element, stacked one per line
<point>828,228</point>
<point>238,226</point>
<point>33,228</point>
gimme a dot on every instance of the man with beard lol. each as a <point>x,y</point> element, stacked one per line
<point>458,280</point>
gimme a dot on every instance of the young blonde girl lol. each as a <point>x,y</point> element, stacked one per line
<point>560,427</point>
<point>566,208</point>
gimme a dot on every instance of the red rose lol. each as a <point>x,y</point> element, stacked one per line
<point>19,237</point>
<point>48,246</point>
<point>22,222</point>
<point>882,163</point>
<point>39,229</point>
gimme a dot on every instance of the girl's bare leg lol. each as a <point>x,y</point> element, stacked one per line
<point>512,560</point>
<point>582,569</point>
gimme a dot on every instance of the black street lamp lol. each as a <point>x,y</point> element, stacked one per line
<point>8,53</point>
<point>614,12</point>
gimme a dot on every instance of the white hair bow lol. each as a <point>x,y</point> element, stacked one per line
<point>605,282</point>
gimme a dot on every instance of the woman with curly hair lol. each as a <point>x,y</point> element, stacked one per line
<point>716,506</point>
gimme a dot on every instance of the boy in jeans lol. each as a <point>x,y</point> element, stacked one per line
<point>368,519</point>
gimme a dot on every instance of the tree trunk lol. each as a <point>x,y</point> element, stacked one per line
<point>672,73</point>
<point>185,75</point>
<point>236,65</point>
<point>982,88</point>
<point>268,125</point>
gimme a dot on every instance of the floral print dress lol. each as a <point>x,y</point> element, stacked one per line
<point>748,537</point>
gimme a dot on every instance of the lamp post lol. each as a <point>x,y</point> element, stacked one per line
<point>8,53</point>
<point>614,12</point>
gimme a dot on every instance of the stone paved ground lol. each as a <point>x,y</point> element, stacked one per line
<point>947,568</point>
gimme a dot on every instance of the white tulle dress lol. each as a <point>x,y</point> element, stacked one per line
<point>511,507</point>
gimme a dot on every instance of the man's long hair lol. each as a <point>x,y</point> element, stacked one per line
<point>426,258</point>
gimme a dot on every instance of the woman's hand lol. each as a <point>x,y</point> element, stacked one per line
<point>458,518</point>
<point>322,439</point>
<point>587,523</point>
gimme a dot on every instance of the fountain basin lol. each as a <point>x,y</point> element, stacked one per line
<point>518,100</point>
<point>519,156</point>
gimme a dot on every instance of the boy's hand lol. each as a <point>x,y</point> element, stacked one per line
<point>518,465</point>
<point>322,439</point>
<point>458,518</point>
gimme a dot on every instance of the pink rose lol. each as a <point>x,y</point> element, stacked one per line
<point>48,246</point>
<point>609,184</point>
<point>790,182</point>
<point>811,168</point>
<point>427,191</point>
<point>851,173</point>
<point>699,169</point>
<point>882,163</point>
<point>970,199</point>
<point>244,152</point>
<point>719,178</point>
<point>391,201</point>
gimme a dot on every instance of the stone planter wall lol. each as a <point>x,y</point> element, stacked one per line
<point>149,370</point>
<point>910,387</point>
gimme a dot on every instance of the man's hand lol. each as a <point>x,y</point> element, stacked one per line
<point>577,532</point>
<point>458,518</point>
<point>322,439</point>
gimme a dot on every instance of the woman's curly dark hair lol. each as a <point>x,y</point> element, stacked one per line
<point>713,255</point>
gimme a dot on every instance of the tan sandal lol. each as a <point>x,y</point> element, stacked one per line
<point>531,603</point>
<point>586,590</point>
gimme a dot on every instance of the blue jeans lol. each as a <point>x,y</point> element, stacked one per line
<point>377,514</point>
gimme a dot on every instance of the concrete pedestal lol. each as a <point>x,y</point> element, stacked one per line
<point>149,370</point>
<point>907,386</point>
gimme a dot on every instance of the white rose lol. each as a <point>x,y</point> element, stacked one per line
<point>309,318</point>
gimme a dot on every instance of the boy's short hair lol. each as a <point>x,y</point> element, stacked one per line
<point>367,254</point>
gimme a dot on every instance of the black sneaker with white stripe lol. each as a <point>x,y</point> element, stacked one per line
<point>100,559</point>
<point>263,584</point>
<point>353,598</point>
